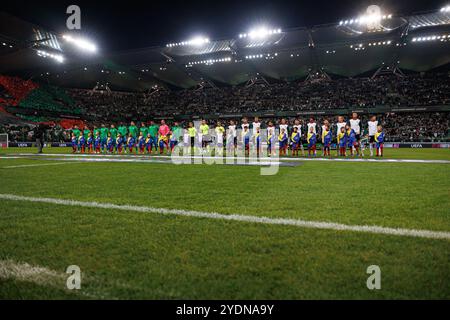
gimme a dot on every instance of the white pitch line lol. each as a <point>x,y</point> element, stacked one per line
<point>150,160</point>
<point>241,218</point>
<point>42,276</point>
<point>37,165</point>
<point>25,272</point>
<point>130,159</point>
<point>342,160</point>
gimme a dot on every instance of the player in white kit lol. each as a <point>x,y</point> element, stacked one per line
<point>245,124</point>
<point>355,124</point>
<point>284,125</point>
<point>186,142</point>
<point>312,124</point>
<point>372,125</point>
<point>256,125</point>
<point>231,138</point>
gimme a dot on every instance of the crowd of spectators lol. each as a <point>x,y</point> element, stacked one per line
<point>416,126</point>
<point>31,96</point>
<point>14,89</point>
<point>413,90</point>
<point>26,133</point>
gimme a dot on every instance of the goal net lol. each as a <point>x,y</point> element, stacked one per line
<point>4,142</point>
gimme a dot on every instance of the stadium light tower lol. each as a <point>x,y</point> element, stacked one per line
<point>81,43</point>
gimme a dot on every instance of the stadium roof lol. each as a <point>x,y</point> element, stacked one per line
<point>416,43</point>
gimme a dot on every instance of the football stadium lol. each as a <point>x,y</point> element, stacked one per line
<point>306,161</point>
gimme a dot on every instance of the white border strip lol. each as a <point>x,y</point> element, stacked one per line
<point>37,165</point>
<point>267,159</point>
<point>25,272</point>
<point>42,276</point>
<point>241,218</point>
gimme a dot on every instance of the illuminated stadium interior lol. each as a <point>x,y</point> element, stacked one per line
<point>205,150</point>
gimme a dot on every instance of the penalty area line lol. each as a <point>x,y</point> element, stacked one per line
<point>240,218</point>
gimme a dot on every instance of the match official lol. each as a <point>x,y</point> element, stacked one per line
<point>40,136</point>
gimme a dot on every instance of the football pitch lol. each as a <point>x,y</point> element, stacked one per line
<point>150,229</point>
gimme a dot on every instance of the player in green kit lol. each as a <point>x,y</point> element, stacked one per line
<point>113,131</point>
<point>97,131</point>
<point>123,132</point>
<point>143,130</point>
<point>133,130</point>
<point>86,133</point>
<point>153,131</point>
<point>76,132</point>
<point>104,137</point>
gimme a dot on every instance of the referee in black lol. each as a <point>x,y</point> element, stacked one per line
<point>39,134</point>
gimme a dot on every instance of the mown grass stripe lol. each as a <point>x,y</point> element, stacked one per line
<point>240,218</point>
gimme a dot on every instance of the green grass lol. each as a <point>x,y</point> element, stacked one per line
<point>151,256</point>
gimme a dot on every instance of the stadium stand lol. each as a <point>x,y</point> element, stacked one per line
<point>33,102</point>
<point>414,90</point>
<point>14,90</point>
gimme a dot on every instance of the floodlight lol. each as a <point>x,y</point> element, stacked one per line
<point>46,54</point>
<point>208,62</point>
<point>429,38</point>
<point>260,33</point>
<point>372,17</point>
<point>81,43</point>
<point>198,41</point>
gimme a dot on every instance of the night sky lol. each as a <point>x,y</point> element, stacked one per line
<point>122,25</point>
